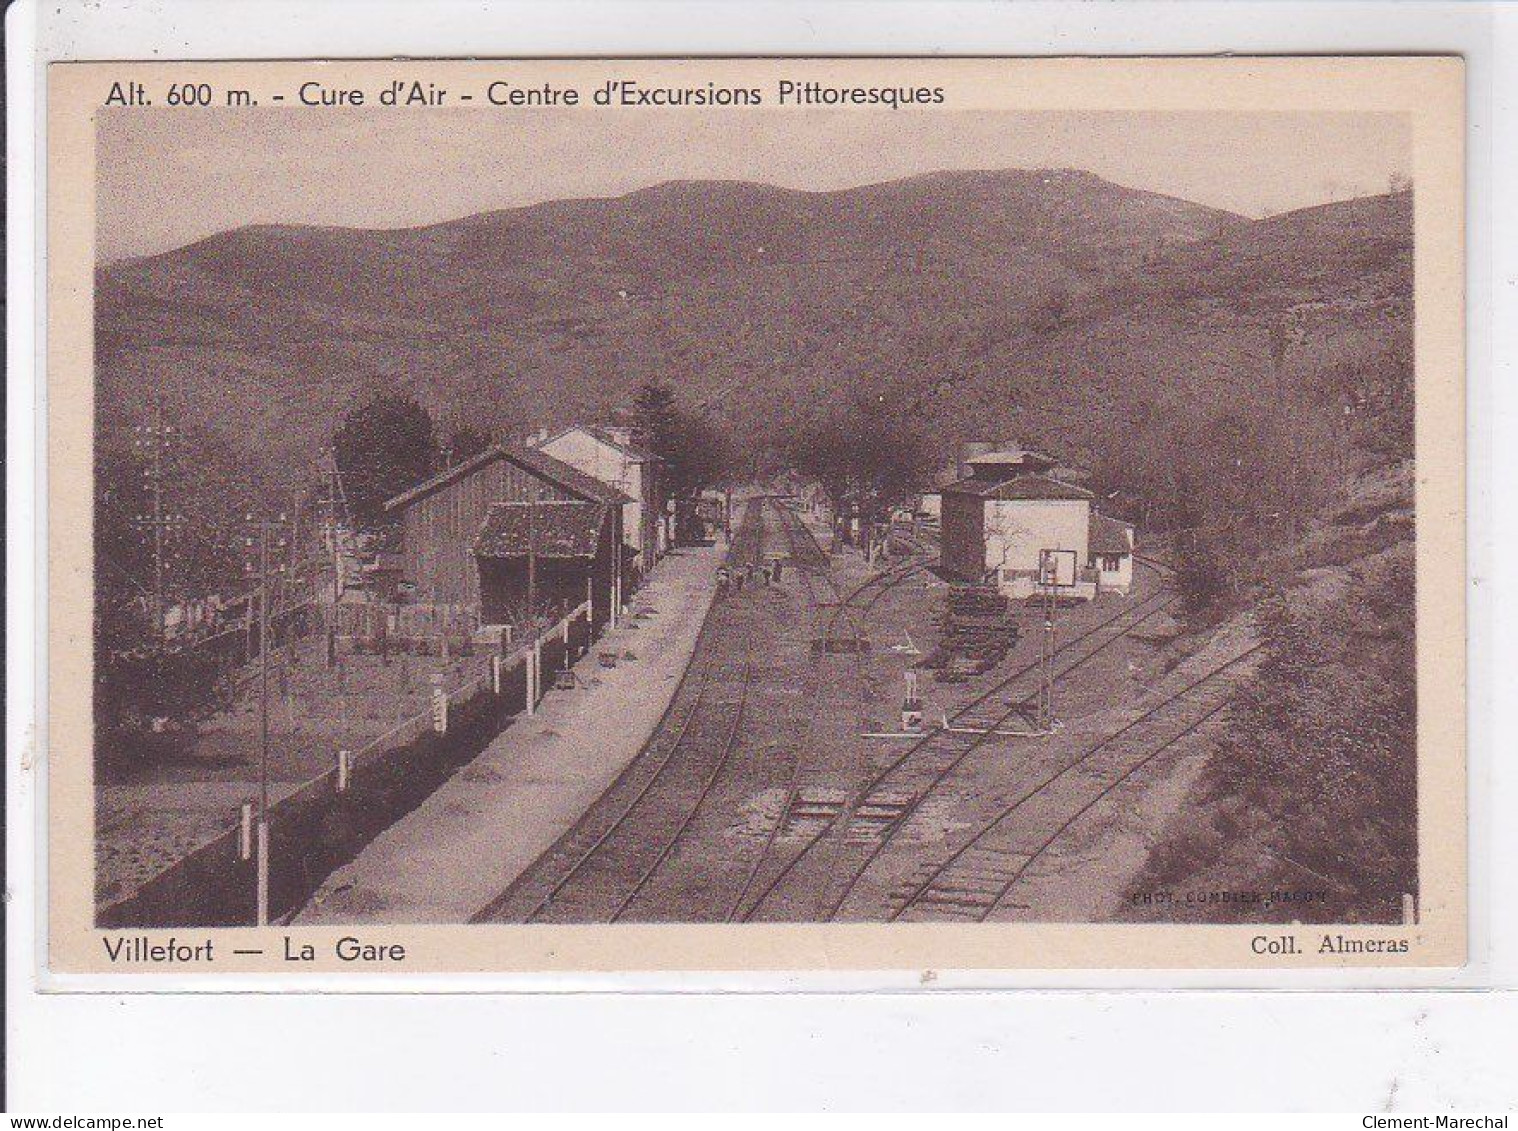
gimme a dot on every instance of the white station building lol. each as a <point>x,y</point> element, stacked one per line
<point>998,520</point>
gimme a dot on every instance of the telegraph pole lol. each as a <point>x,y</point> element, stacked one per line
<point>1046,664</point>
<point>152,441</point>
<point>268,530</point>
<point>532,558</point>
<point>1057,570</point>
<point>334,496</point>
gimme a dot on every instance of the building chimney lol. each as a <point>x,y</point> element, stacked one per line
<point>969,449</point>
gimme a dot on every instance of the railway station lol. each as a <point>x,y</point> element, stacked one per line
<point>786,725</point>
<point>800,695</point>
<point>776,700</point>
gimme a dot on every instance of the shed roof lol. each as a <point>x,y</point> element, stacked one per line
<point>541,464</point>
<point>1109,535</point>
<point>1019,487</point>
<point>1012,455</point>
<point>560,529</point>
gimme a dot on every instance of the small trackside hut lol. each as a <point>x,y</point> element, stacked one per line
<point>469,534</point>
<point>1111,553</point>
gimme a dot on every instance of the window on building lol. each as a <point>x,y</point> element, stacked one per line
<point>1111,563</point>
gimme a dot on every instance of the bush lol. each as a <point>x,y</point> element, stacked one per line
<point>1201,577</point>
<point>147,702</point>
<point>1324,739</point>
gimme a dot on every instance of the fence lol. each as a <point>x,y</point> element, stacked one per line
<point>318,827</point>
<point>377,626</point>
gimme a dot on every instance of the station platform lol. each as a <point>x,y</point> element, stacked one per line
<point>480,830</point>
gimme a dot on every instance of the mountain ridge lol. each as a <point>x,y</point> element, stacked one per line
<point>743,296</point>
<point>663,189</point>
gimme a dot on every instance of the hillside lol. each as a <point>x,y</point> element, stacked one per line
<point>1241,389</point>
<point>1286,307</point>
<point>1051,305</point>
<point>742,296</point>
<point>1311,785</point>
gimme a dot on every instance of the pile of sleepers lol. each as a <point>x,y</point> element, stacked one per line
<point>976,630</point>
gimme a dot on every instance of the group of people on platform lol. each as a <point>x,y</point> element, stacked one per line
<point>732,578</point>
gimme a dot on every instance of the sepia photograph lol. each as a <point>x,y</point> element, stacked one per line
<point>658,555</point>
<point>782,497</point>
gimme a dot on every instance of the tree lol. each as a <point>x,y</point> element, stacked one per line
<point>466,442</point>
<point>692,448</point>
<point>148,691</point>
<point>1200,575</point>
<point>1322,741</point>
<point>655,423</point>
<point>385,446</point>
<point>866,458</point>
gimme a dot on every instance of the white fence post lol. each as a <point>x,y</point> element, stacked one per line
<point>263,870</point>
<point>439,704</point>
<point>344,770</point>
<point>245,831</point>
<point>495,673</point>
<point>534,662</point>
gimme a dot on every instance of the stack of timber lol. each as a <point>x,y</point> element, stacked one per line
<point>975,632</point>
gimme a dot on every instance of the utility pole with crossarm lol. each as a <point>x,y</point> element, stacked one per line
<point>267,534</point>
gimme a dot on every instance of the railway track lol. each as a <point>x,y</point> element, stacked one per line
<point>624,859</point>
<point>870,593</point>
<point>978,877</point>
<point>1163,569</point>
<point>810,567</point>
<point>596,869</point>
<point>857,603</point>
<point>845,838</point>
<point>662,841</point>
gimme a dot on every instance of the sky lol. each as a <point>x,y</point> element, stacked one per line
<point>166,179</point>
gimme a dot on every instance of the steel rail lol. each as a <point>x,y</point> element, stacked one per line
<point>706,788</point>
<point>989,829</point>
<point>640,762</point>
<point>793,785</point>
<point>611,830</point>
<point>879,778</point>
<point>729,742</point>
<point>977,741</point>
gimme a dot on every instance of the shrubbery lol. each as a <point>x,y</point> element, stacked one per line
<point>147,702</point>
<point>1324,739</point>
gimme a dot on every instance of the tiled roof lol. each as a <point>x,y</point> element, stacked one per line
<point>571,479</point>
<point>1012,455</point>
<point>1028,487</point>
<point>560,530</point>
<point>635,452</point>
<point>1109,536</point>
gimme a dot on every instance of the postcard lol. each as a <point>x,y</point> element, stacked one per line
<point>513,516</point>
